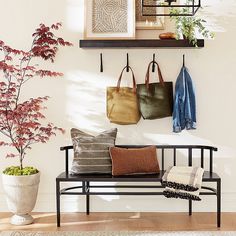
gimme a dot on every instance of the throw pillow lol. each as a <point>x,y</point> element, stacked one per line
<point>126,161</point>
<point>91,153</point>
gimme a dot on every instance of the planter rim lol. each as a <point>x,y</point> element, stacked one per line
<point>21,175</point>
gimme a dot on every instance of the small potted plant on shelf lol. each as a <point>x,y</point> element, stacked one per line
<point>188,26</point>
<point>21,122</point>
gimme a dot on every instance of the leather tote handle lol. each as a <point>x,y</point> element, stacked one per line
<point>119,80</point>
<point>159,74</point>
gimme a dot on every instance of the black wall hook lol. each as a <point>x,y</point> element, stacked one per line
<point>184,60</point>
<point>101,63</point>
<point>127,64</point>
<point>153,60</point>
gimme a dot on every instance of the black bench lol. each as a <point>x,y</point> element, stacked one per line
<point>86,181</point>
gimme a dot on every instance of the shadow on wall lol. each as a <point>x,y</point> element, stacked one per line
<point>85,100</point>
<point>78,100</point>
<point>86,109</point>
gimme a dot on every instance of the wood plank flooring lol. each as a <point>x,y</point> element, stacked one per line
<point>125,222</point>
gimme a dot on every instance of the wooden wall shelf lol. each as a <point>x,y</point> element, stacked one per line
<point>139,43</point>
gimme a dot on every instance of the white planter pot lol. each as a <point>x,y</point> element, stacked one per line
<point>21,194</point>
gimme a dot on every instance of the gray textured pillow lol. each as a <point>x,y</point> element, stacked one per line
<point>91,153</point>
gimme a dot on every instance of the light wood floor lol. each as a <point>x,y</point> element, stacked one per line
<point>125,222</point>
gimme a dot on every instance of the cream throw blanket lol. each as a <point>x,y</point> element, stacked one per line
<point>183,182</point>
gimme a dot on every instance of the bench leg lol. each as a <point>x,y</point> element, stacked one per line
<point>58,203</point>
<point>219,203</point>
<point>190,207</point>
<point>87,198</point>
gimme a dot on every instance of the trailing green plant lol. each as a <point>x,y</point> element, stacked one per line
<point>187,26</point>
<point>17,170</point>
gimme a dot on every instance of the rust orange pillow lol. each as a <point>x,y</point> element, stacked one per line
<point>127,161</point>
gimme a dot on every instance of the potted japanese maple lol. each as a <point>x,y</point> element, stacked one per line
<point>22,122</point>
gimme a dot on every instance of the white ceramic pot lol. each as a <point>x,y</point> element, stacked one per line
<point>21,194</point>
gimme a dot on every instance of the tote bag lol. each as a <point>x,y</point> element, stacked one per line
<point>155,99</point>
<point>122,103</point>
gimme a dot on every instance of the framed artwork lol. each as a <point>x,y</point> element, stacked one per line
<point>109,19</point>
<point>148,22</point>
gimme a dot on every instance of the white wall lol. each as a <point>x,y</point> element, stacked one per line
<point>78,99</point>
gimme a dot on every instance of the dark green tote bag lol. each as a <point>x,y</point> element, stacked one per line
<point>155,99</point>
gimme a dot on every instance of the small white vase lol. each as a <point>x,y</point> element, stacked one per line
<point>21,194</point>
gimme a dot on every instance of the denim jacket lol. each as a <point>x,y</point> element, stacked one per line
<point>184,114</point>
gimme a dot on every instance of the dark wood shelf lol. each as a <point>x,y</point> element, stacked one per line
<point>140,43</point>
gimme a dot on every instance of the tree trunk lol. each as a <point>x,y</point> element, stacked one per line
<point>21,162</point>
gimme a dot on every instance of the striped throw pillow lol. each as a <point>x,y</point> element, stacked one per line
<point>91,153</point>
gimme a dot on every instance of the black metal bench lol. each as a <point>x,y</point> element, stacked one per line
<point>86,181</point>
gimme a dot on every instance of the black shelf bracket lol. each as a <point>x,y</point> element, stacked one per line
<point>127,64</point>
<point>101,63</point>
<point>153,62</point>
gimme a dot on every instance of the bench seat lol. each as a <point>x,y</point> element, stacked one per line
<point>207,177</point>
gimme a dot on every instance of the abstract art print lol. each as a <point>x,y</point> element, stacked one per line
<point>110,16</point>
<point>109,19</point>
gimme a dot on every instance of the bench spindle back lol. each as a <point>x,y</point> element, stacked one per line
<point>175,148</point>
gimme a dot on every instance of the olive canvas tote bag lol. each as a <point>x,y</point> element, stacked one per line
<point>155,99</point>
<point>122,103</point>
